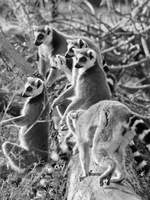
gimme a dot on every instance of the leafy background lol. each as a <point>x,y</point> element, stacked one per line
<point>120,28</point>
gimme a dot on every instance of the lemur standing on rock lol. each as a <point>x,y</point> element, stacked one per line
<point>108,127</point>
<point>33,135</point>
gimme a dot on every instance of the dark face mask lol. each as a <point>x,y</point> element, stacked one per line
<point>39,40</point>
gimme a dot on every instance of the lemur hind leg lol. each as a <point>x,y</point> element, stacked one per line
<point>119,171</point>
<point>84,155</point>
<point>19,158</point>
<point>106,176</point>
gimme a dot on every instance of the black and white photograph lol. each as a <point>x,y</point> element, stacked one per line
<point>74,100</point>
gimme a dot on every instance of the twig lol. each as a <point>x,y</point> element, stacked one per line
<point>141,101</point>
<point>141,81</point>
<point>118,45</point>
<point>132,64</point>
<point>134,89</point>
<point>139,8</point>
<point>145,47</point>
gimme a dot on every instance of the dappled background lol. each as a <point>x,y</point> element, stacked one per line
<point>122,31</point>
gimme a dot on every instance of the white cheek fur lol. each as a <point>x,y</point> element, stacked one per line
<point>37,91</point>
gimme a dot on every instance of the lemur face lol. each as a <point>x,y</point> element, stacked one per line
<point>42,35</point>
<point>33,87</point>
<point>84,58</point>
<point>79,44</point>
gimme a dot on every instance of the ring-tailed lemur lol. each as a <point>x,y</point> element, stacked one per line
<point>33,135</point>
<point>51,42</point>
<point>90,84</point>
<point>107,127</point>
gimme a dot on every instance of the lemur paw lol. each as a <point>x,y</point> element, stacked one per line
<point>105,180</point>
<point>63,125</point>
<point>81,178</point>
<point>53,61</point>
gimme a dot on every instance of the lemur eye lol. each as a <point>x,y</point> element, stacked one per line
<point>83,59</point>
<point>29,89</point>
<point>40,36</point>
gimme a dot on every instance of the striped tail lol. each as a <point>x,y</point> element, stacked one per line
<point>142,164</point>
<point>140,129</point>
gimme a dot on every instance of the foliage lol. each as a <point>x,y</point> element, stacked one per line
<point>122,33</point>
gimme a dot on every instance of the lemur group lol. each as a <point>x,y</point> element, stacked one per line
<point>102,127</point>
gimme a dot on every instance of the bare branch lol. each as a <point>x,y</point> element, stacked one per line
<point>135,88</point>
<point>130,65</point>
<point>145,47</point>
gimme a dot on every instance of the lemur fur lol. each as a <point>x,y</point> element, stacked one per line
<point>33,135</point>
<point>105,130</point>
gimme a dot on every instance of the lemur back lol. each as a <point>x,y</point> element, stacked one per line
<point>33,135</point>
<point>105,127</point>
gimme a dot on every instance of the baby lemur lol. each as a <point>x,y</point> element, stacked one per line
<point>107,127</point>
<point>33,135</point>
<point>90,84</point>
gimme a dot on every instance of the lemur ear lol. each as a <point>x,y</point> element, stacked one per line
<point>90,54</point>
<point>82,43</point>
<point>39,82</point>
<point>47,30</point>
